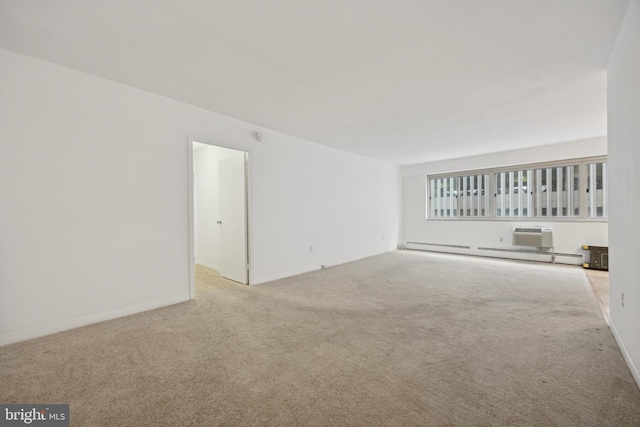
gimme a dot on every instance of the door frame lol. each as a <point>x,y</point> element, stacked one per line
<point>248,194</point>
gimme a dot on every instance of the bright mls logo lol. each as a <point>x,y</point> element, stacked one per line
<point>34,415</point>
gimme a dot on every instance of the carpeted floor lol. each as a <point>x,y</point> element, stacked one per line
<point>399,339</point>
<point>208,280</point>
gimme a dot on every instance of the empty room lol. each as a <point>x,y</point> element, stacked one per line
<point>364,213</point>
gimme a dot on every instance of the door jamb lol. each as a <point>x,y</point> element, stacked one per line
<point>248,191</point>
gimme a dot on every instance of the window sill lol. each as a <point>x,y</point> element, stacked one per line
<point>521,219</point>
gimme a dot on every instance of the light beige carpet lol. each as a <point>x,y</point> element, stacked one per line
<point>208,280</point>
<point>399,339</point>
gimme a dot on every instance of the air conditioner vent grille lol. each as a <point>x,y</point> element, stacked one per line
<point>527,230</point>
<point>536,237</point>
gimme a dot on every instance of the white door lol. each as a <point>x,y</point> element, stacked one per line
<point>233,219</point>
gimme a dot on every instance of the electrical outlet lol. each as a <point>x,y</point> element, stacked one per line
<point>501,239</point>
<point>383,237</point>
<point>622,299</point>
<point>310,248</point>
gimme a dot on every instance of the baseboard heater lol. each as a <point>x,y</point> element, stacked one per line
<point>528,251</point>
<point>486,248</point>
<point>439,245</point>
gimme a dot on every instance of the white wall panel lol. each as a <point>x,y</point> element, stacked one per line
<point>624,181</point>
<point>94,207</point>
<point>568,235</point>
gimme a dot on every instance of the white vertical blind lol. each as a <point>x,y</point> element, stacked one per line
<point>592,189</point>
<point>548,190</point>
<point>558,191</point>
<point>487,194</point>
<point>529,192</point>
<point>538,188</point>
<point>434,197</point>
<point>554,191</point>
<point>569,192</point>
<point>502,190</point>
<point>463,195</point>
<point>472,187</point>
<point>452,197</point>
<point>521,191</point>
<point>604,190</point>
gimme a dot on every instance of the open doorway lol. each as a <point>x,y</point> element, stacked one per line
<point>219,238</point>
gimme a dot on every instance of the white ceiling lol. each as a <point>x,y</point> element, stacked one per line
<point>401,81</point>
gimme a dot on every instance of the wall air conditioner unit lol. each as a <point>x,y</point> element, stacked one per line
<point>533,236</point>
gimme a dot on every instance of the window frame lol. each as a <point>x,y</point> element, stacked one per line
<point>583,182</point>
<point>464,192</point>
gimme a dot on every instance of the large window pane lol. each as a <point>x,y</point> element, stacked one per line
<point>461,196</point>
<point>514,193</point>
<point>597,189</point>
<point>576,190</point>
<point>557,191</point>
<point>473,196</point>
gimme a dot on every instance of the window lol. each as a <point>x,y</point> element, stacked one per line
<point>460,196</point>
<point>475,198</point>
<point>597,189</point>
<point>574,189</point>
<point>514,195</point>
<point>557,191</point>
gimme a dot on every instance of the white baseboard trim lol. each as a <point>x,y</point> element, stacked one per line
<point>634,370</point>
<point>501,253</point>
<point>64,325</point>
<point>355,258</point>
<point>271,278</point>
<point>211,266</point>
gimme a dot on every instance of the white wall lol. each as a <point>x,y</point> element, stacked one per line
<point>624,180</point>
<point>94,206</point>
<point>207,203</point>
<point>568,235</point>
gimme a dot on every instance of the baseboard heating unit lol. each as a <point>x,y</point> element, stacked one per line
<point>442,245</point>
<point>462,249</point>
<point>529,251</point>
